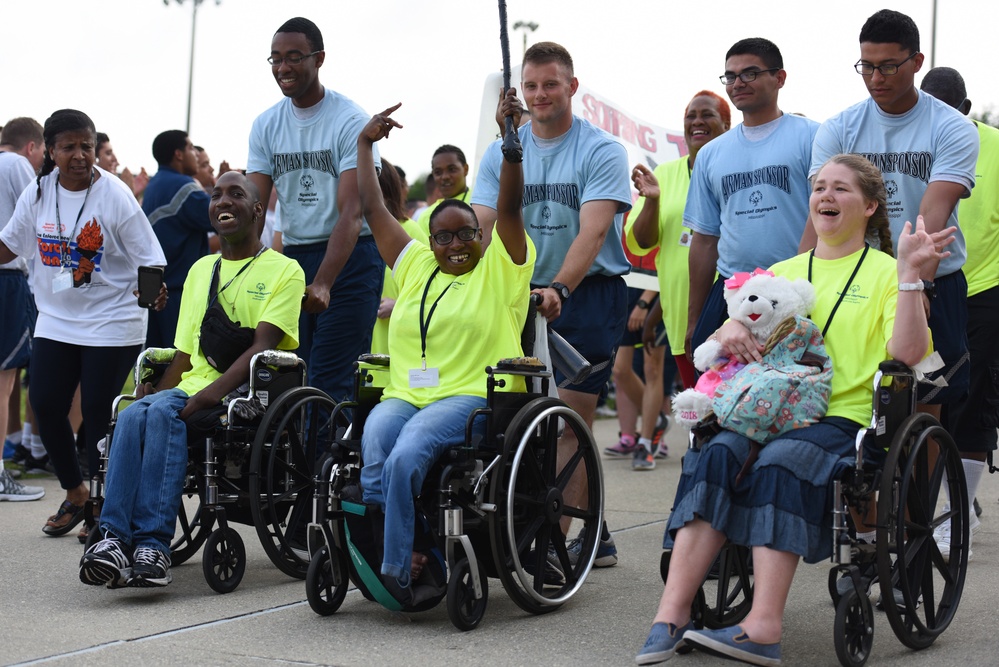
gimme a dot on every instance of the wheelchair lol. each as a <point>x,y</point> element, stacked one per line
<point>495,507</point>
<point>251,461</point>
<point>902,463</point>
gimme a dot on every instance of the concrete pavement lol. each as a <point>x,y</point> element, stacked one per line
<point>49,617</point>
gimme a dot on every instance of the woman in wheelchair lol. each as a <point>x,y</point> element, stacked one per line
<point>868,309</point>
<point>259,288</point>
<point>458,311</point>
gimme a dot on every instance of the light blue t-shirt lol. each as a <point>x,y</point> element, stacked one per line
<point>587,165</point>
<point>930,142</point>
<point>753,195</point>
<point>305,159</point>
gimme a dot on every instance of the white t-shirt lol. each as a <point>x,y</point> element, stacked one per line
<point>15,175</point>
<point>97,309</point>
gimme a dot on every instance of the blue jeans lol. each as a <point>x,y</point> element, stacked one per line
<point>331,341</point>
<point>399,444</point>
<point>145,475</point>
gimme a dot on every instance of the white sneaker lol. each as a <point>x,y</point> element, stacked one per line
<point>942,537</point>
<point>11,489</point>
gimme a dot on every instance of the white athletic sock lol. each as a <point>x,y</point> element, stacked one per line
<point>868,536</point>
<point>15,438</point>
<point>26,434</point>
<point>37,448</point>
<point>645,442</point>
<point>972,475</point>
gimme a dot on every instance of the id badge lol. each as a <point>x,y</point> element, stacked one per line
<point>420,378</point>
<point>685,238</point>
<point>62,281</point>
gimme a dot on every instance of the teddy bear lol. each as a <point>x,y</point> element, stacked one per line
<point>767,305</point>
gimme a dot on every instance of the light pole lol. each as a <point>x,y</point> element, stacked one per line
<point>933,39</point>
<point>526,26</point>
<point>190,69</point>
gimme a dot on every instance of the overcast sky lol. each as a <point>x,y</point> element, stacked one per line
<point>125,62</point>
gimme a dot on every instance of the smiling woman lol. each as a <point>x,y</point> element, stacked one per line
<point>438,349</point>
<point>87,237</point>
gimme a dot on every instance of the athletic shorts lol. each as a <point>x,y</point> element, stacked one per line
<point>592,321</point>
<point>18,310</point>
<point>949,326</point>
<point>974,420</point>
<point>634,338</point>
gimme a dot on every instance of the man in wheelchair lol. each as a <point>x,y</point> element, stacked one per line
<point>868,307</point>
<point>458,311</point>
<point>262,291</point>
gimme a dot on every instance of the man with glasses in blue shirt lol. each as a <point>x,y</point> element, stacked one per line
<point>305,146</point>
<point>748,197</point>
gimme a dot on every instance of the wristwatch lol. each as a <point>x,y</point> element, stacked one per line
<point>642,303</point>
<point>562,291</point>
<point>925,286</point>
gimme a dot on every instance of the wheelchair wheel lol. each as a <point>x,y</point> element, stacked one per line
<point>224,560</point>
<point>294,433</point>
<point>324,594</point>
<point>853,631</point>
<point>728,598</point>
<point>530,494</point>
<point>910,564</point>
<point>463,609</point>
<point>191,530</point>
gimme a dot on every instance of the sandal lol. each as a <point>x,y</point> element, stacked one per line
<point>74,512</point>
<point>84,533</point>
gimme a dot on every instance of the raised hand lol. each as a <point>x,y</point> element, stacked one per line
<point>918,249</point>
<point>645,182</point>
<point>380,125</point>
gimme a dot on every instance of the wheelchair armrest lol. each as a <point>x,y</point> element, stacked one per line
<point>374,359</point>
<point>151,362</point>
<point>276,358</point>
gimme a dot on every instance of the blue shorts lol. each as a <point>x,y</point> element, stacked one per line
<point>634,338</point>
<point>18,308</point>
<point>592,321</point>
<point>949,326</point>
<point>713,314</point>
<point>974,420</point>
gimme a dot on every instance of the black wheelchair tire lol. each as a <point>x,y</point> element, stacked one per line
<point>463,609</point>
<point>908,557</point>
<point>853,629</point>
<point>324,595</point>
<point>527,480</point>
<point>281,476</point>
<point>224,560</point>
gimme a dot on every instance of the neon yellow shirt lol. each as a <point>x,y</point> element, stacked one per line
<point>424,220</point>
<point>979,216</point>
<point>858,337</point>
<point>268,291</point>
<point>674,248</point>
<point>477,321</point>
<point>379,334</point>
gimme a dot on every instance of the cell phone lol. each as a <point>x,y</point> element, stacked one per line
<point>150,281</point>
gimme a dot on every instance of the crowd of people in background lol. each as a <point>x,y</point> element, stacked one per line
<point>870,198</point>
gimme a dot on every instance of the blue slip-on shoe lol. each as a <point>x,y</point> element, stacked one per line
<point>664,640</point>
<point>735,644</point>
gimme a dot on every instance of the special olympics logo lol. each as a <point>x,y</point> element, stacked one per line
<point>307,181</point>
<point>756,197</point>
<point>546,213</point>
<point>891,187</point>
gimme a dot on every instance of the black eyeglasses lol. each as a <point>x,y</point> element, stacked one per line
<point>867,69</point>
<point>463,234</point>
<point>747,76</point>
<point>291,59</point>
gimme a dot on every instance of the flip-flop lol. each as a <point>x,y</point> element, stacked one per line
<point>75,513</point>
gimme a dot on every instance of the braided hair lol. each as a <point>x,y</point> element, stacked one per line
<point>64,120</point>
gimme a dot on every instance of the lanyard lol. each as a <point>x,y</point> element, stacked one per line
<point>425,324</point>
<point>212,294</point>
<point>842,294</point>
<point>64,259</point>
